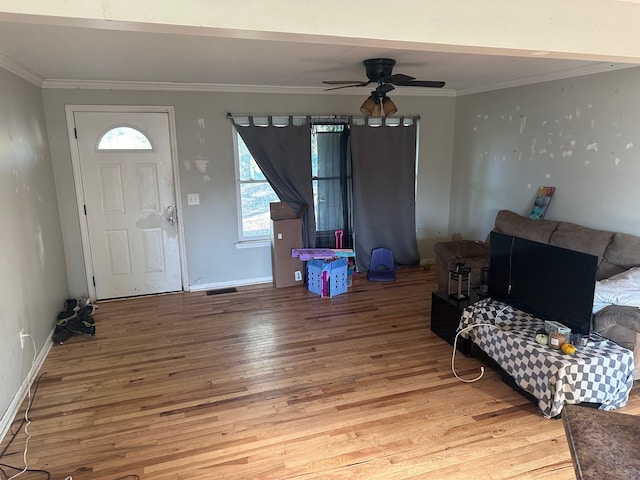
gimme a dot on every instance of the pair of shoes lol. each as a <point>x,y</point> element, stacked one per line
<point>77,318</point>
<point>71,307</point>
<point>83,323</point>
<point>61,335</point>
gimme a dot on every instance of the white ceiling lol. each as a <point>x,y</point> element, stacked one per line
<point>63,55</point>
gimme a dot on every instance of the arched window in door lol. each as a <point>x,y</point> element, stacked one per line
<point>123,137</point>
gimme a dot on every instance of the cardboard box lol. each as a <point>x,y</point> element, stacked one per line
<point>327,278</point>
<point>282,211</point>
<point>286,227</point>
<point>285,269</point>
<point>553,326</point>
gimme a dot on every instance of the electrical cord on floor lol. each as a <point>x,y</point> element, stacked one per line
<point>5,475</point>
<point>22,422</point>
<point>27,420</point>
<point>455,347</point>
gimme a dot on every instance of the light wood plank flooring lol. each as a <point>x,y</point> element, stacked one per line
<point>282,384</point>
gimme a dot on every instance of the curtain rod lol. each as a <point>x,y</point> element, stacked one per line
<point>320,118</point>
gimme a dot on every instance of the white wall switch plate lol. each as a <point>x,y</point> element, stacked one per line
<point>297,275</point>
<point>193,199</point>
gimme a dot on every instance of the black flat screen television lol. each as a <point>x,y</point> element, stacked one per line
<point>549,282</point>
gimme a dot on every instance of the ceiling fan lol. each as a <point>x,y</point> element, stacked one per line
<point>380,71</point>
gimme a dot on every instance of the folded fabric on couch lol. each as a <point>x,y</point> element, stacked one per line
<point>620,289</point>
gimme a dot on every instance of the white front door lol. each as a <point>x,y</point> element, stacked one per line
<point>126,170</point>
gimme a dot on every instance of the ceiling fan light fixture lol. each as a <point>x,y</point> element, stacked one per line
<point>368,106</point>
<point>388,107</point>
<point>377,110</point>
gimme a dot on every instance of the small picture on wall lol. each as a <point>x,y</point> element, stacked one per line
<point>541,202</point>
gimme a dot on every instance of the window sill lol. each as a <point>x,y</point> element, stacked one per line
<point>252,244</point>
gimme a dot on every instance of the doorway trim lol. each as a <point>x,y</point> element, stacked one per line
<point>77,180</point>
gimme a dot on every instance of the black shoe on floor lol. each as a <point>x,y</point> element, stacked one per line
<point>86,311</point>
<point>64,316</point>
<point>70,304</point>
<point>84,326</point>
<point>61,335</point>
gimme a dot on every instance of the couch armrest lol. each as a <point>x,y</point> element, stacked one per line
<point>621,324</point>
<point>472,253</point>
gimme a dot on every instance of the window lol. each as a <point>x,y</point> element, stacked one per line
<point>124,138</point>
<point>331,174</point>
<point>254,196</point>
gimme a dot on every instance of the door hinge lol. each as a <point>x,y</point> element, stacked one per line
<point>94,281</point>
<point>75,132</point>
<point>85,209</point>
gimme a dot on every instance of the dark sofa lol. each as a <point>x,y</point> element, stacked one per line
<point>616,252</point>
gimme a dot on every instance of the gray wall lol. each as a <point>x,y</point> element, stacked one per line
<point>33,281</point>
<point>211,228</point>
<point>580,135</point>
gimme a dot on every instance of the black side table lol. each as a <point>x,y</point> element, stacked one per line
<point>445,318</point>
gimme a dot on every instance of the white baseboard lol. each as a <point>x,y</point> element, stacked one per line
<point>232,283</point>
<point>18,398</point>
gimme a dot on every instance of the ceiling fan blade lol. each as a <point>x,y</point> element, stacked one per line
<point>379,71</point>
<point>398,79</point>
<point>421,83</point>
<point>345,82</point>
<point>348,86</point>
<point>385,88</point>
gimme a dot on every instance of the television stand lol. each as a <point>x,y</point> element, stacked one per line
<point>601,373</point>
<point>445,318</point>
<point>477,352</point>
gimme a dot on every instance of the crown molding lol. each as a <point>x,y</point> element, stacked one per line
<point>20,71</point>
<point>207,87</point>
<point>171,86</point>
<point>26,74</point>
<point>574,72</point>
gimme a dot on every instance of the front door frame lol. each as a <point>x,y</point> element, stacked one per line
<point>77,180</point>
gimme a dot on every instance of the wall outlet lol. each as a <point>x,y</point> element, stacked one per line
<point>297,275</point>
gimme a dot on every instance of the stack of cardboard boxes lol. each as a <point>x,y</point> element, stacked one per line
<point>286,235</point>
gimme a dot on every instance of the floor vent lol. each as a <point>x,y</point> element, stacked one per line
<point>221,290</point>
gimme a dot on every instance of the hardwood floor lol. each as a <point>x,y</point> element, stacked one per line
<point>278,384</point>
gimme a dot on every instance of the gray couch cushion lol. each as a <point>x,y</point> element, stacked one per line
<point>621,324</point>
<point>622,253</point>
<point>624,250</point>
<point>510,223</point>
<point>581,239</point>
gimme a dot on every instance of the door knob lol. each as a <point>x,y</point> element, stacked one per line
<point>171,215</point>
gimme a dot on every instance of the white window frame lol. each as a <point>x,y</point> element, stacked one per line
<point>245,241</point>
<point>117,149</point>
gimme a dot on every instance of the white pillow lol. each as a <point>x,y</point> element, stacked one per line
<point>621,289</point>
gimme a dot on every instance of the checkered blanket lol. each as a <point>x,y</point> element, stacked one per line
<point>600,373</point>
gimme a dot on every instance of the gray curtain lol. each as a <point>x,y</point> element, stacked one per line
<point>283,153</point>
<point>384,176</point>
